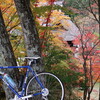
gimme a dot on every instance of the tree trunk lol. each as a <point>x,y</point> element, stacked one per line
<point>99,91</point>
<point>99,16</point>
<point>31,35</point>
<point>86,80</point>
<point>89,95</point>
<point>7,55</point>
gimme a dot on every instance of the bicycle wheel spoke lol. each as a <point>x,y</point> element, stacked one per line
<point>53,88</point>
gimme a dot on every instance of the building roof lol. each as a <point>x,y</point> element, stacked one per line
<point>68,31</point>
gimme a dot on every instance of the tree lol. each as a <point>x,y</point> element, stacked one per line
<point>89,58</point>
<point>9,14</point>
<point>7,54</point>
<point>30,33</point>
<point>89,13</point>
<point>57,57</point>
<point>13,28</point>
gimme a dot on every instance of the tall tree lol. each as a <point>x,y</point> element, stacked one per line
<point>30,33</point>
<point>7,54</point>
<point>89,57</point>
<point>99,15</point>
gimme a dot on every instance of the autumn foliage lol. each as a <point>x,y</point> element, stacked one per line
<point>58,56</point>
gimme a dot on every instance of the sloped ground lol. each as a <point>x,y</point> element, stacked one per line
<point>95,93</point>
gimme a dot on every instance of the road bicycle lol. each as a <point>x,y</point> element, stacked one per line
<point>42,86</point>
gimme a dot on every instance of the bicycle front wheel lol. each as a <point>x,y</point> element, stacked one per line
<point>52,85</point>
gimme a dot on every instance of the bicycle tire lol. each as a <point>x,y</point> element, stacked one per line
<point>51,82</point>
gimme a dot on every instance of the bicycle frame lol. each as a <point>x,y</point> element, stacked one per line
<point>22,93</point>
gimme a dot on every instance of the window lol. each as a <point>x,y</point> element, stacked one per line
<point>70,43</point>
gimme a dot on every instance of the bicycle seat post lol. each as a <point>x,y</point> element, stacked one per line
<point>34,60</point>
<point>30,62</point>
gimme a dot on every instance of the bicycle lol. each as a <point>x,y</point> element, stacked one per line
<point>42,86</point>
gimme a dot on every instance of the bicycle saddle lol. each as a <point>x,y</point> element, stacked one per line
<point>34,58</point>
